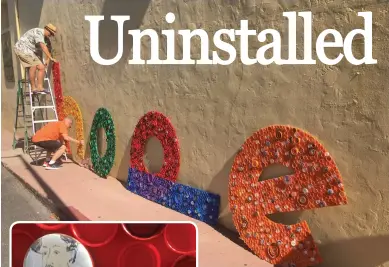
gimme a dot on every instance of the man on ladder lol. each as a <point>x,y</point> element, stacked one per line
<point>28,50</point>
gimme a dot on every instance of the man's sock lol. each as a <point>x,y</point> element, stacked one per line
<point>51,162</point>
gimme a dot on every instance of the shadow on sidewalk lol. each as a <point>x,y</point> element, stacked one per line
<point>368,251</point>
<point>52,201</point>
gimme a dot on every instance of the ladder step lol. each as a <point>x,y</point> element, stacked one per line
<point>43,121</point>
<point>35,146</point>
<point>48,104</point>
<point>28,80</point>
<point>46,93</point>
<point>48,101</point>
<point>42,107</point>
<point>23,127</point>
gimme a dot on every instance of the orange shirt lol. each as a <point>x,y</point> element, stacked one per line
<point>51,131</point>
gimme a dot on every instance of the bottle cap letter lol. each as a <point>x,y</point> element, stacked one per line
<point>316,183</point>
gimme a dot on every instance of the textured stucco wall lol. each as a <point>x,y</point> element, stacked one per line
<point>215,108</point>
<point>8,89</point>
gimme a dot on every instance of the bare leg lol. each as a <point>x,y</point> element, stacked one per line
<point>41,75</point>
<point>48,155</point>
<point>59,153</point>
<point>31,73</point>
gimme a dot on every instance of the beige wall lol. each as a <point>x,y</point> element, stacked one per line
<point>215,108</point>
<point>8,89</point>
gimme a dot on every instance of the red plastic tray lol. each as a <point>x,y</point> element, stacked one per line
<point>117,244</point>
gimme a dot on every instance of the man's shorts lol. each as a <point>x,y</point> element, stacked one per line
<point>28,59</point>
<point>50,145</point>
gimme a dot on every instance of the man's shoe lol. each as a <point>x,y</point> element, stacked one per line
<point>53,166</point>
<point>45,164</point>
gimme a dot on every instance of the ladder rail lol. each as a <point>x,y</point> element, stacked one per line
<point>54,103</point>
<point>19,97</point>
<point>31,103</point>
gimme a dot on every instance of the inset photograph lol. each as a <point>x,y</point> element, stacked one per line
<point>101,244</point>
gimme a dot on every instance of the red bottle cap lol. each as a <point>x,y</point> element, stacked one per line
<point>94,234</point>
<point>139,255</point>
<point>142,231</point>
<point>181,238</point>
<point>185,261</point>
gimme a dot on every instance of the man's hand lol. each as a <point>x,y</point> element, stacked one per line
<point>48,61</point>
<point>47,53</point>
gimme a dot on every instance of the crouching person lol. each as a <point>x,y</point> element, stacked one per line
<point>51,137</point>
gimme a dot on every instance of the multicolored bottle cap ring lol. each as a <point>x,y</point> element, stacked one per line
<point>162,187</point>
<point>104,244</point>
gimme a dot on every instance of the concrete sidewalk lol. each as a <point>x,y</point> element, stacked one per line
<point>17,204</point>
<point>107,199</point>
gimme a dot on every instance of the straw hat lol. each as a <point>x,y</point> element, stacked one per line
<point>51,28</point>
